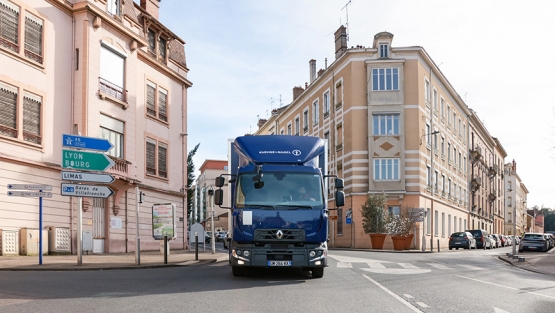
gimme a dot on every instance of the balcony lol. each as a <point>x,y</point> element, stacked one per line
<point>476,183</point>
<point>493,170</point>
<point>305,129</point>
<point>120,167</point>
<point>326,114</point>
<point>492,197</point>
<point>476,153</point>
<point>338,105</point>
<point>112,90</point>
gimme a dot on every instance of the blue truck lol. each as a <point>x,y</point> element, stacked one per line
<point>279,204</point>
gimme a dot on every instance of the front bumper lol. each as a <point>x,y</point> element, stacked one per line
<point>250,255</point>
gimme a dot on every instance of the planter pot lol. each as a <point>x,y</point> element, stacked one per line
<point>398,242</point>
<point>377,240</point>
<point>408,241</point>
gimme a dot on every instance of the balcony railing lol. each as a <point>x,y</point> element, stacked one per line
<point>33,56</point>
<point>10,45</point>
<point>8,131</point>
<point>112,90</point>
<point>32,138</point>
<point>120,167</point>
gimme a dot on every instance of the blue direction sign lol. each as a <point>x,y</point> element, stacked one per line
<point>90,143</point>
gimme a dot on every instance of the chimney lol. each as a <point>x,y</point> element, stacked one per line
<point>320,72</point>
<point>261,122</point>
<point>297,91</point>
<point>340,41</point>
<point>151,6</point>
<point>514,166</point>
<point>312,67</point>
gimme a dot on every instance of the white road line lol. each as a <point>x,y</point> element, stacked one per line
<point>512,288</point>
<point>407,265</point>
<point>344,265</point>
<point>471,267</point>
<point>391,293</point>
<point>219,264</point>
<point>187,262</point>
<point>498,310</point>
<point>408,296</point>
<point>375,265</point>
<point>439,266</point>
<point>422,304</point>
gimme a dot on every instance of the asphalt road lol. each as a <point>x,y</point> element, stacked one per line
<point>355,281</point>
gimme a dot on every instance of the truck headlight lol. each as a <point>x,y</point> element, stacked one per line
<point>312,254</point>
<point>246,253</point>
<point>238,252</point>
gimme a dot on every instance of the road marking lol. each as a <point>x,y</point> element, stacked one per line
<point>439,266</point>
<point>397,271</point>
<point>407,265</point>
<point>391,293</point>
<point>498,310</point>
<point>408,296</point>
<point>472,267</point>
<point>187,262</point>
<point>341,258</point>
<point>375,265</point>
<point>512,288</point>
<point>344,265</point>
<point>220,264</point>
<point>422,304</point>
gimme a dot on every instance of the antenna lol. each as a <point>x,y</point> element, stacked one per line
<point>280,104</point>
<point>347,11</point>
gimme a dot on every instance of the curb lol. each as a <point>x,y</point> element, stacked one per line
<point>526,268</point>
<point>385,251</point>
<point>88,267</point>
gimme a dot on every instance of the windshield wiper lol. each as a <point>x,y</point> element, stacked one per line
<point>296,206</point>
<point>262,206</point>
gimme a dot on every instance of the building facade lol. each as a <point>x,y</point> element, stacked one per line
<point>106,69</point>
<point>396,125</point>
<point>209,170</point>
<point>516,198</point>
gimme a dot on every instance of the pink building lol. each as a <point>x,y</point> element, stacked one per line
<point>94,68</point>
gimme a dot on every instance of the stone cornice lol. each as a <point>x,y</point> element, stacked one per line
<point>145,57</point>
<point>63,5</point>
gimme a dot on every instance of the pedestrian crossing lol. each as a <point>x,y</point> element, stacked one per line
<point>402,268</point>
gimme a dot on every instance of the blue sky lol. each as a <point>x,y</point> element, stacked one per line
<point>243,55</point>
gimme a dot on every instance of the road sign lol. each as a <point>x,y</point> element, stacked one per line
<point>29,194</point>
<point>82,160</point>
<point>29,187</point>
<point>89,191</point>
<point>417,210</point>
<point>90,143</point>
<point>333,218</point>
<point>88,177</point>
<point>348,220</point>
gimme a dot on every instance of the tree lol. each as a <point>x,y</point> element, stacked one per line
<point>373,214</point>
<point>548,219</point>
<point>191,179</point>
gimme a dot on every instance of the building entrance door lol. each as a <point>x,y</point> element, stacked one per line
<point>99,224</point>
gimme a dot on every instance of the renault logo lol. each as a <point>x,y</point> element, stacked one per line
<point>296,152</point>
<point>279,234</point>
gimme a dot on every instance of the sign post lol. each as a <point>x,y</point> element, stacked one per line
<point>38,194</point>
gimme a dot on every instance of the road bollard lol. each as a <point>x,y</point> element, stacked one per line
<point>438,245</point>
<point>196,246</point>
<point>165,249</point>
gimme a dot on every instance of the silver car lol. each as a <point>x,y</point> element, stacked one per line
<point>533,242</point>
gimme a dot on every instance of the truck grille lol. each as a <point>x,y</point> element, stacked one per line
<point>271,235</point>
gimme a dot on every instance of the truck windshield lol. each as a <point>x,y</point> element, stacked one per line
<point>279,189</point>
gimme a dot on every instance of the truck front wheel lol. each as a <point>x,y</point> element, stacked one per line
<point>318,272</point>
<point>238,271</point>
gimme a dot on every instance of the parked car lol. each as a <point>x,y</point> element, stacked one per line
<point>462,240</point>
<point>481,237</point>
<point>516,240</point>
<point>220,236</point>
<point>509,240</point>
<point>207,236</point>
<point>533,242</point>
<point>503,240</point>
<point>550,239</point>
<point>496,242</point>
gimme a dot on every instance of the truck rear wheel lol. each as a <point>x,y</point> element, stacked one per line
<point>318,272</point>
<point>238,271</point>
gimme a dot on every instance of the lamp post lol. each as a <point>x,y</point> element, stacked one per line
<point>211,194</point>
<point>431,178</point>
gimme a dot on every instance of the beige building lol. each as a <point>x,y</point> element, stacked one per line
<point>209,170</point>
<point>395,125</point>
<point>516,199</point>
<point>105,69</point>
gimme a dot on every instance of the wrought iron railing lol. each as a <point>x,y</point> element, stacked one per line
<point>120,166</point>
<point>113,90</point>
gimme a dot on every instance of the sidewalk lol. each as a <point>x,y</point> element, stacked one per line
<point>149,259</point>
<point>539,262</point>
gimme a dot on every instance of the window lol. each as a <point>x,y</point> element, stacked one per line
<point>152,41</point>
<point>288,129</point>
<point>428,222</point>
<point>156,158</point>
<point>305,120</point>
<point>112,70</point>
<point>436,223</point>
<point>455,223</point>
<point>443,225</point>
<point>436,174</point>
<point>385,79</point>
<point>449,152</point>
<point>386,124</point>
<point>326,104</point>
<point>465,164</point>
<point>455,156</point>
<point>428,135</point>
<point>315,115</point>
<point>448,115</point>
<point>428,176</point>
<point>11,106</point>
<point>449,187</point>
<point>394,210</point>
<point>297,126</point>
<point>384,50</point>
<point>443,183</point>
<point>113,130</point>
<point>327,137</point>
<point>460,159</point>
<point>339,221</point>
<point>162,45</point>
<point>386,169</point>
<point>510,201</point>
<point>510,186</point>
<point>454,121</point>
<point>157,45</point>
<point>435,100</point>
<point>10,28</point>
<point>156,101</point>
<point>442,108</point>
<point>427,91</point>
<point>112,6</point>
<point>443,147</point>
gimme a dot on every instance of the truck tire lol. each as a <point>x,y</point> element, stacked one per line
<point>318,272</point>
<point>238,271</point>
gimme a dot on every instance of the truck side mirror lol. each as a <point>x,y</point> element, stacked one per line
<point>218,197</point>
<point>339,183</point>
<point>339,198</point>
<point>219,182</point>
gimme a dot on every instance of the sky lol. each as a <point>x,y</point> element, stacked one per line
<point>244,56</point>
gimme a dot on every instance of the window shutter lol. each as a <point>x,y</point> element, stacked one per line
<point>162,160</point>
<point>31,118</point>
<point>162,103</point>
<point>9,25</point>
<point>33,38</point>
<point>151,156</point>
<point>162,48</point>
<point>150,99</point>
<point>8,105</point>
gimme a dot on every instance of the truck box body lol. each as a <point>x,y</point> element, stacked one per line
<point>273,225</point>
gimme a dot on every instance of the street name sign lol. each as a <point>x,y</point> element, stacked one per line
<point>89,143</point>
<point>88,177</point>
<point>83,160</point>
<point>29,194</point>
<point>89,191</point>
<point>29,187</point>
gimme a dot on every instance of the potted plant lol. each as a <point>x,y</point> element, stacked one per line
<point>374,219</point>
<point>396,228</point>
<point>408,227</point>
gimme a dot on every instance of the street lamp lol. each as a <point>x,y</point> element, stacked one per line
<point>211,194</point>
<point>430,177</point>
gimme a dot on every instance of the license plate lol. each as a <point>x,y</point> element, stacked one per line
<point>279,263</point>
<point>531,247</point>
<point>457,243</point>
